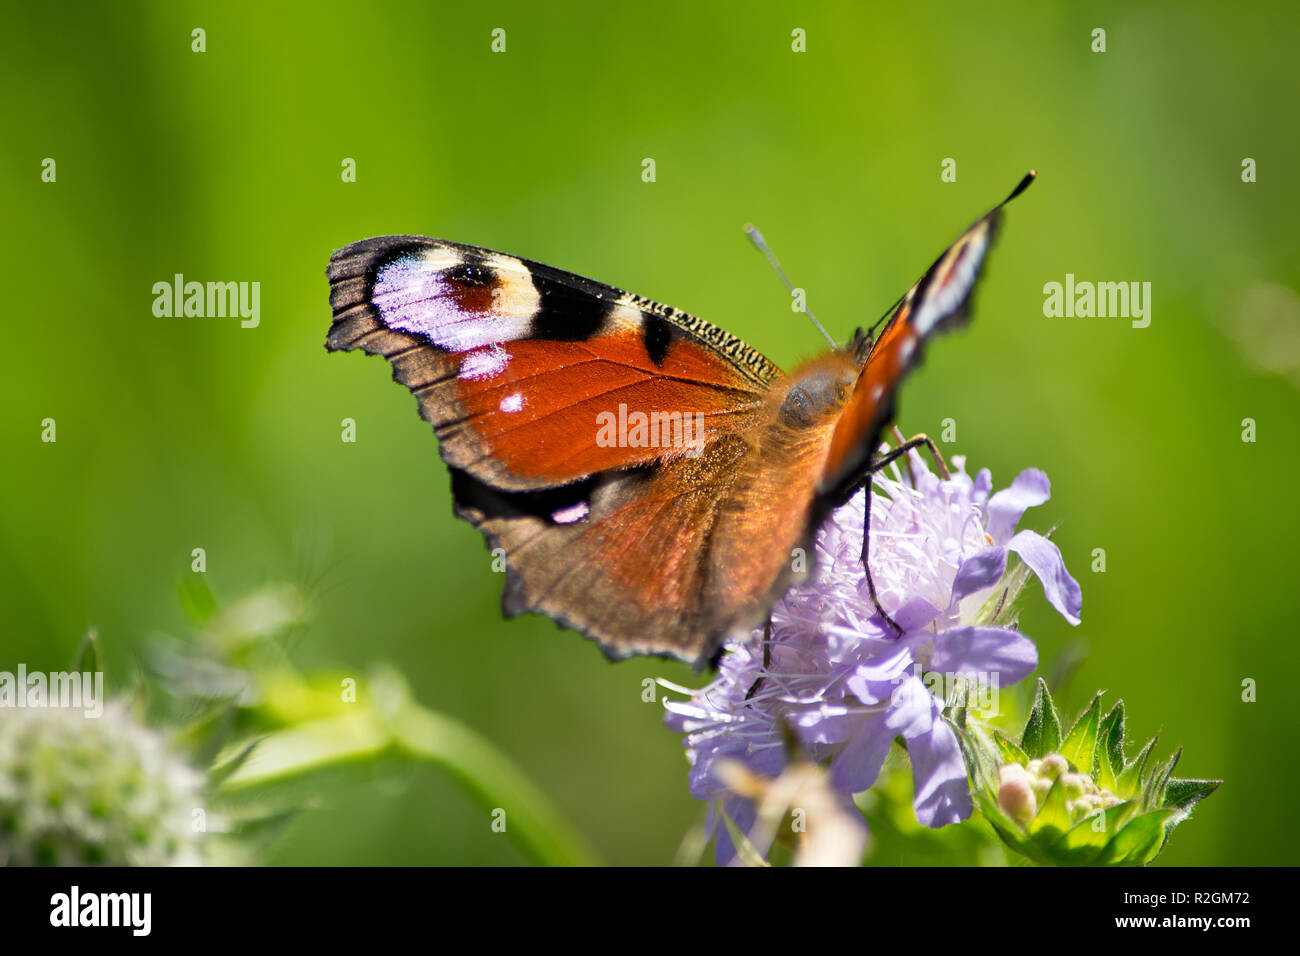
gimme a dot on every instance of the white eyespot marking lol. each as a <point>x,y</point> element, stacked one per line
<point>485,363</point>
<point>574,512</point>
<point>512,403</point>
<point>906,349</point>
<point>424,293</point>
<point>876,391</point>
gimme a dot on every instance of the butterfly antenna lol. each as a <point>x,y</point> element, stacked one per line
<point>756,238</point>
<point>871,332</point>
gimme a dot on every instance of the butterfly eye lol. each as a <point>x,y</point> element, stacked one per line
<point>797,407</point>
<point>813,396</point>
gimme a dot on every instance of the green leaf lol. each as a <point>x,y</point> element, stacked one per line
<point>1002,608</point>
<point>1183,794</point>
<point>980,761</point>
<point>1009,831</point>
<point>1008,749</point>
<point>1083,843</point>
<point>196,599</point>
<point>1111,736</point>
<point>220,772</point>
<point>261,828</point>
<point>1137,842</point>
<point>1126,812</point>
<point>956,706</point>
<point>1013,840</point>
<point>312,745</point>
<point>1130,780</point>
<point>1080,744</point>
<point>1153,796</point>
<point>1053,818</point>
<point>1043,729</point>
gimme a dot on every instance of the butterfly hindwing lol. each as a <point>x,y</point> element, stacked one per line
<point>624,557</point>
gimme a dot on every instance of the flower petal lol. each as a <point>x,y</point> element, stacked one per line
<point>983,486</point>
<point>984,650</point>
<point>856,767</point>
<point>1044,559</point>
<point>915,613</point>
<point>824,724</point>
<point>743,814</point>
<point>911,709</point>
<point>877,680</point>
<point>938,770</point>
<point>939,776</point>
<point>703,784</point>
<point>1005,507</point>
<point>979,571</point>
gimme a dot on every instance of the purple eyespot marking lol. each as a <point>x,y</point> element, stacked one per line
<point>454,306</point>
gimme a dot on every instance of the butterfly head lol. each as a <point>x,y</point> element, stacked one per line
<point>818,389</point>
<point>859,345</point>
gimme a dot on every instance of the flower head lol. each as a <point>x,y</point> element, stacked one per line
<point>837,679</point>
<point>77,791</point>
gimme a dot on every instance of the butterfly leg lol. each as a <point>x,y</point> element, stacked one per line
<point>767,658</point>
<point>886,459</point>
<point>866,546</point>
<point>916,441</point>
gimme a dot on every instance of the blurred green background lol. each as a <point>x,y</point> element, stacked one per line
<point>181,433</point>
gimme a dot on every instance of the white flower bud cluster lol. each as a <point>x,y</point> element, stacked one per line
<point>1024,788</point>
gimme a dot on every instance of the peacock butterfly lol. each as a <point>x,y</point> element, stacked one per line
<point>648,475</point>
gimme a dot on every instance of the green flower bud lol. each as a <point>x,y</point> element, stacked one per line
<point>1042,787</point>
<point>1076,785</point>
<point>1053,766</point>
<point>1074,799</point>
<point>1081,807</point>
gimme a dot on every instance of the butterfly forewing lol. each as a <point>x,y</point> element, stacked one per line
<point>939,300</point>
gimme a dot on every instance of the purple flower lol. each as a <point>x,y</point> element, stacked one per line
<point>843,683</point>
